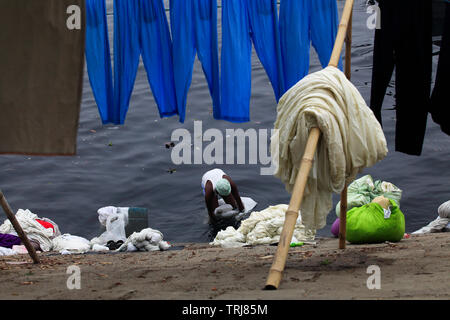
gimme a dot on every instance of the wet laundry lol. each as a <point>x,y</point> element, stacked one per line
<point>303,22</point>
<point>351,139</point>
<point>98,59</point>
<point>226,211</point>
<point>194,30</point>
<point>34,230</point>
<point>262,227</point>
<point>404,43</point>
<point>41,76</point>
<point>120,222</point>
<point>242,23</point>
<point>141,28</point>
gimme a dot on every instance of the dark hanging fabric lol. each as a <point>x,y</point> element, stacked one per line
<point>438,16</point>
<point>41,75</point>
<point>98,58</point>
<point>242,22</point>
<point>303,22</point>
<point>404,43</point>
<point>440,99</point>
<point>194,30</point>
<point>140,27</point>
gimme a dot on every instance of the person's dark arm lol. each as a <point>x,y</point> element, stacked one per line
<point>211,200</point>
<point>235,193</point>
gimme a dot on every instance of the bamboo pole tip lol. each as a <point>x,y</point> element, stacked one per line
<point>270,287</point>
<point>273,280</point>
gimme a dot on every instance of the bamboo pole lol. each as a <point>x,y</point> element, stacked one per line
<point>279,262</point>
<point>18,228</point>
<point>277,268</point>
<point>348,73</point>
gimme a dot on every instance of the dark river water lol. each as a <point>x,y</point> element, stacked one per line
<point>129,165</point>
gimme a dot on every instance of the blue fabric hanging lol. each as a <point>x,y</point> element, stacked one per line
<point>243,22</point>
<point>98,58</point>
<point>303,22</point>
<point>140,27</point>
<point>194,29</point>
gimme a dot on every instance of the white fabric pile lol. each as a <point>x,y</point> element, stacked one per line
<point>441,223</point>
<point>262,227</point>
<point>33,229</point>
<point>114,219</point>
<point>68,243</point>
<point>146,240</point>
<point>351,139</point>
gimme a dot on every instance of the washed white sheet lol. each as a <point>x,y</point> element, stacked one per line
<point>351,139</point>
<point>226,211</point>
<point>71,243</point>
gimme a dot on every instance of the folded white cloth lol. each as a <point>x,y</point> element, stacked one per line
<point>146,240</point>
<point>262,227</point>
<point>351,139</point>
<point>226,211</point>
<point>99,248</point>
<point>70,243</point>
<point>33,229</point>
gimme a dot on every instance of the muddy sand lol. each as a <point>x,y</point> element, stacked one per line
<point>414,268</point>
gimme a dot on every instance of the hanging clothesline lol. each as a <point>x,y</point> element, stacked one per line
<point>281,38</point>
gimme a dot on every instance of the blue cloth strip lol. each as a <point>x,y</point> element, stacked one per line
<point>140,27</point>
<point>303,22</point>
<point>194,30</point>
<point>243,22</point>
<point>98,58</point>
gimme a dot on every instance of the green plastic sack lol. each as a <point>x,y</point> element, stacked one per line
<point>363,190</point>
<point>367,224</point>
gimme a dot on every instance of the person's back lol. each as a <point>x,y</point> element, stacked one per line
<point>214,183</point>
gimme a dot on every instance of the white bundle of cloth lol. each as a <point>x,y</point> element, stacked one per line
<point>146,240</point>
<point>262,227</point>
<point>114,219</point>
<point>226,211</point>
<point>351,139</point>
<point>68,243</point>
<point>33,229</point>
<point>441,223</point>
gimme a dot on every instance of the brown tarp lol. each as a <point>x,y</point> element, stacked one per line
<point>41,74</point>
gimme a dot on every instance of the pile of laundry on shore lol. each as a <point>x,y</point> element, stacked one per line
<point>45,235</point>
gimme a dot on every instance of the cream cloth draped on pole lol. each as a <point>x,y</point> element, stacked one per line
<point>351,139</point>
